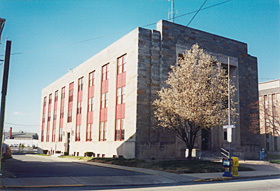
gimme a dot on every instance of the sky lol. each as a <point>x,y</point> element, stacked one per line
<point>49,37</point>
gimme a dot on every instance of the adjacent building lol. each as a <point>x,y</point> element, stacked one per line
<point>104,105</point>
<point>269,103</point>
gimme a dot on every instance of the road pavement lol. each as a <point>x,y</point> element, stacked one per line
<point>33,171</point>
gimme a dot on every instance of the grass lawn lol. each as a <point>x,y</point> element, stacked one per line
<point>174,166</point>
<point>275,161</point>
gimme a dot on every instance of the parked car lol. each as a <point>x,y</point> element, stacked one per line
<point>6,152</point>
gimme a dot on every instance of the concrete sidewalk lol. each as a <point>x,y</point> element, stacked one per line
<point>150,177</point>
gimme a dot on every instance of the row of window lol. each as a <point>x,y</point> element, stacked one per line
<point>119,135</point>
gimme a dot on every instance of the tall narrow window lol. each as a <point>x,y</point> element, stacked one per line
<point>105,72</point>
<point>120,98</point>
<point>49,118</point>
<point>121,64</point>
<point>104,102</point>
<point>61,116</point>
<point>43,118</point>
<point>54,116</point>
<point>91,79</point>
<point>88,132</point>
<point>70,102</point>
<point>90,106</point>
<point>79,108</point>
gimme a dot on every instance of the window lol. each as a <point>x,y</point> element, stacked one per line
<point>71,95</point>
<point>90,104</point>
<point>43,120</point>
<point>49,116</point>
<point>61,112</point>
<point>119,130</point>
<point>54,114</point>
<point>63,93</point>
<point>56,96</point>
<point>121,64</point>
<point>102,131</point>
<point>69,119</point>
<point>104,100</point>
<point>45,101</point>
<point>105,72</point>
<point>88,134</point>
<point>77,138</point>
<point>48,135</point>
<point>79,108</point>
<point>53,135</point>
<point>50,98</point>
<point>80,84</point>
<point>121,95</point>
<point>60,135</point>
<point>91,79</point>
<point>42,134</point>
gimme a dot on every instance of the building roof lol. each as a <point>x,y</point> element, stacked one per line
<point>22,135</point>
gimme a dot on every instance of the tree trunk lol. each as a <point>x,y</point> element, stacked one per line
<point>190,153</point>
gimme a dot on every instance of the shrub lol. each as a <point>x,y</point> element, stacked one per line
<point>45,152</point>
<point>89,154</point>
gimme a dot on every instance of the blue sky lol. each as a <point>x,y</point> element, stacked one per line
<point>51,36</point>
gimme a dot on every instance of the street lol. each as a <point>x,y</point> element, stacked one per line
<point>33,172</point>
<point>27,166</point>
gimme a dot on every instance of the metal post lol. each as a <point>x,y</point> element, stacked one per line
<point>4,92</point>
<point>229,104</point>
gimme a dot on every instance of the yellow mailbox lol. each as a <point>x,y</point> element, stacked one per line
<point>235,164</point>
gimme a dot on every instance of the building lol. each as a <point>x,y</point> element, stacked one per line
<point>15,139</point>
<point>104,105</point>
<point>269,103</point>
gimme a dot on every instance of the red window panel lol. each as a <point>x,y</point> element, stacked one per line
<point>120,111</point>
<point>91,91</point>
<point>121,80</point>
<point>103,114</point>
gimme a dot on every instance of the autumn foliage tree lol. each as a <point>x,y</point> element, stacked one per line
<point>195,96</point>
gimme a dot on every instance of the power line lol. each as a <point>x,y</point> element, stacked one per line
<point>20,124</point>
<point>196,13</point>
<point>95,38</point>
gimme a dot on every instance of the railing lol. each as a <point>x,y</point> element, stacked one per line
<point>224,152</point>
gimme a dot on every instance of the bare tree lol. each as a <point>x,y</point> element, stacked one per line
<point>266,118</point>
<point>195,97</point>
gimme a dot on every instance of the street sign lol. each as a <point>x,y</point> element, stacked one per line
<point>228,126</point>
<point>229,133</point>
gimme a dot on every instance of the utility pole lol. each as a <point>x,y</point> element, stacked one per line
<point>229,129</point>
<point>4,92</point>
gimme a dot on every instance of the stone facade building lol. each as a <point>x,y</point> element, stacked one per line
<point>269,101</point>
<point>104,105</point>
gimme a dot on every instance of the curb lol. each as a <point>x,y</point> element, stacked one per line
<point>233,178</point>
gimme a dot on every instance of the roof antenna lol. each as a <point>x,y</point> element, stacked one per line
<point>171,14</point>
